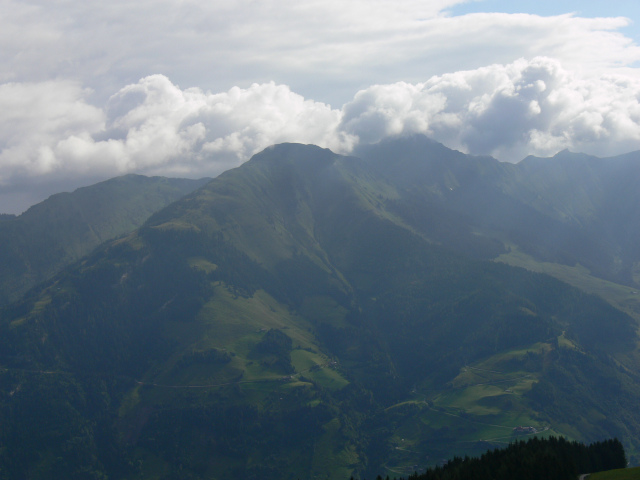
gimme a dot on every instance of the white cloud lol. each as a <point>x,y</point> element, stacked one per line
<point>212,44</point>
<point>152,127</point>
<point>280,65</point>
<point>509,111</point>
<point>324,50</point>
<point>34,118</point>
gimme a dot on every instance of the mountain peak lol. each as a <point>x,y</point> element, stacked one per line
<point>289,151</point>
<point>563,155</point>
<point>297,155</point>
<point>417,143</point>
<point>293,308</point>
<point>566,154</point>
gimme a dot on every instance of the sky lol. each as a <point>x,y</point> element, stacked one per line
<point>91,90</point>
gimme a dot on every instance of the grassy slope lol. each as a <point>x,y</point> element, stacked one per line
<point>237,323</point>
<point>622,297</point>
<point>621,474</point>
<point>251,209</point>
<point>479,409</point>
<point>574,192</point>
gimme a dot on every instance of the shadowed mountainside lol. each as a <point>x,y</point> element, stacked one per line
<point>67,226</point>
<point>314,315</point>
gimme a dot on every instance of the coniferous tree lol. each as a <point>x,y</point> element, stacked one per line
<point>551,459</point>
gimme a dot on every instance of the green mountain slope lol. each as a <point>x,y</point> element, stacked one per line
<point>619,474</point>
<point>302,316</point>
<point>67,226</point>
<point>570,209</point>
<point>599,197</point>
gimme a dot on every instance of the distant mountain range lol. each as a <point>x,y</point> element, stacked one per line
<point>54,233</point>
<point>311,315</point>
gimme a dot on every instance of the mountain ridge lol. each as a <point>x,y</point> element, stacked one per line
<point>305,312</point>
<point>67,226</point>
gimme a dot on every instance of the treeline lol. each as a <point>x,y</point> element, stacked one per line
<point>551,459</point>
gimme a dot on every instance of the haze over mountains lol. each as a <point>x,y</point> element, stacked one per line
<point>311,315</point>
<point>67,226</point>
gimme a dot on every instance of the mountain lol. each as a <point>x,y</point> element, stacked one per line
<point>311,315</point>
<point>569,209</point>
<point>598,197</point>
<point>67,226</point>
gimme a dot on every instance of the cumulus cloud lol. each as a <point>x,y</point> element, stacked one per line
<point>50,132</point>
<point>152,127</point>
<point>286,71</point>
<point>35,117</point>
<point>509,111</point>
